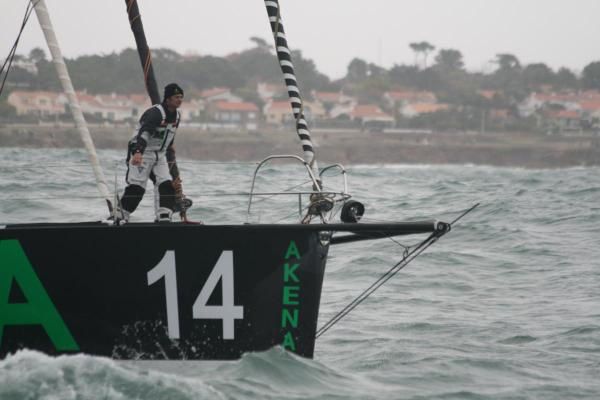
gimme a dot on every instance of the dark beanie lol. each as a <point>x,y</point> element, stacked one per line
<point>172,89</point>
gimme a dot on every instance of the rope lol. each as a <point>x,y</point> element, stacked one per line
<point>408,256</point>
<point>13,50</point>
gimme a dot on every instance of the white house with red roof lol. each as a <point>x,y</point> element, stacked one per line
<point>280,112</point>
<point>37,103</point>
<point>399,98</point>
<point>267,91</point>
<point>219,94</point>
<point>411,110</point>
<point>371,115</point>
<point>238,114</point>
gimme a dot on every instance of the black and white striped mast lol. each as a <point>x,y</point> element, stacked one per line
<point>284,55</point>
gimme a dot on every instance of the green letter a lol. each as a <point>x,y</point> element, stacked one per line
<point>39,309</point>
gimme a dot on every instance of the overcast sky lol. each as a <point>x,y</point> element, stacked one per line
<point>330,32</point>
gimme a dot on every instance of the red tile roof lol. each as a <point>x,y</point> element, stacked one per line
<point>213,92</point>
<point>236,106</point>
<point>279,105</point>
<point>411,95</point>
<point>590,105</point>
<point>367,110</point>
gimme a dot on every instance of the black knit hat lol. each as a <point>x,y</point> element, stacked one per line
<point>172,89</point>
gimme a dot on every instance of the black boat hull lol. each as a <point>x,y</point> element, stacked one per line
<point>150,291</point>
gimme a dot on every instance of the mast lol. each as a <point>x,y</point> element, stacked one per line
<point>284,55</point>
<point>135,20</point>
<point>67,86</point>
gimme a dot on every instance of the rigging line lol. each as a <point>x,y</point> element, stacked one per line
<point>464,213</point>
<point>379,282</point>
<point>13,50</point>
<point>408,257</point>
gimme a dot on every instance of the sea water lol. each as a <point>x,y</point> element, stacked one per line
<point>505,306</point>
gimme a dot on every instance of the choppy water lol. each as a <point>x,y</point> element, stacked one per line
<point>506,306</point>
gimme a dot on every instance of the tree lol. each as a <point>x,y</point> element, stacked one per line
<point>421,47</point>
<point>357,70</point>
<point>538,74</point>
<point>37,54</point>
<point>449,60</point>
<point>590,77</point>
<point>507,62</point>
<point>426,48</point>
<point>565,79</point>
<point>416,47</point>
<point>260,43</point>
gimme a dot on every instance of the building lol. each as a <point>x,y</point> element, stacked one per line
<point>399,98</point>
<point>37,103</point>
<point>234,114</point>
<point>371,117</point>
<point>411,110</point>
<point>219,94</point>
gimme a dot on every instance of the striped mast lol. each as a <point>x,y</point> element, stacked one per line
<point>63,75</point>
<point>284,55</point>
<point>135,20</point>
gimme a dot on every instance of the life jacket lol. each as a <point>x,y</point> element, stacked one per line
<point>163,134</point>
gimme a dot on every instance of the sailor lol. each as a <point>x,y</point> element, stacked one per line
<point>151,153</point>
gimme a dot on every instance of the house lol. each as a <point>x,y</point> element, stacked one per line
<point>398,98</point>
<point>192,110</point>
<point>371,116</point>
<point>563,120</point>
<point>280,112</point>
<point>536,101</point>
<point>415,109</point>
<point>330,99</point>
<point>239,114</point>
<point>219,94</point>
<point>268,91</point>
<point>37,103</point>
<point>114,107</point>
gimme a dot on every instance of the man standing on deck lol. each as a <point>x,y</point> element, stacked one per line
<point>151,155</point>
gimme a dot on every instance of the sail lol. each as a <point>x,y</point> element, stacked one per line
<point>67,86</point>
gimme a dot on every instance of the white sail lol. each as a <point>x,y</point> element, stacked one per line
<point>63,74</point>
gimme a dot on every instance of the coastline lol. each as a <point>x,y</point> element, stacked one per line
<point>528,150</point>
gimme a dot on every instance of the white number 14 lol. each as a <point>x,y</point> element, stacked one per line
<point>227,311</point>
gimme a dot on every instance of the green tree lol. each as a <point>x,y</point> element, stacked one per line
<point>449,60</point>
<point>260,43</point>
<point>507,62</point>
<point>591,76</point>
<point>357,70</point>
<point>37,54</point>
<point>538,74</point>
<point>421,48</point>
<point>566,79</point>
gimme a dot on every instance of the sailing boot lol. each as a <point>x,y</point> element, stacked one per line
<point>163,214</point>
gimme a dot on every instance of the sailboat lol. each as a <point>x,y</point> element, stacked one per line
<point>181,291</point>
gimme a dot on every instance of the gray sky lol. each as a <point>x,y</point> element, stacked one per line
<point>330,32</point>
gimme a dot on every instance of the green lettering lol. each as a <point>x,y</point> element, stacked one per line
<point>290,295</point>
<point>288,318</point>
<point>292,251</point>
<point>288,342</point>
<point>39,309</point>
<point>289,272</point>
